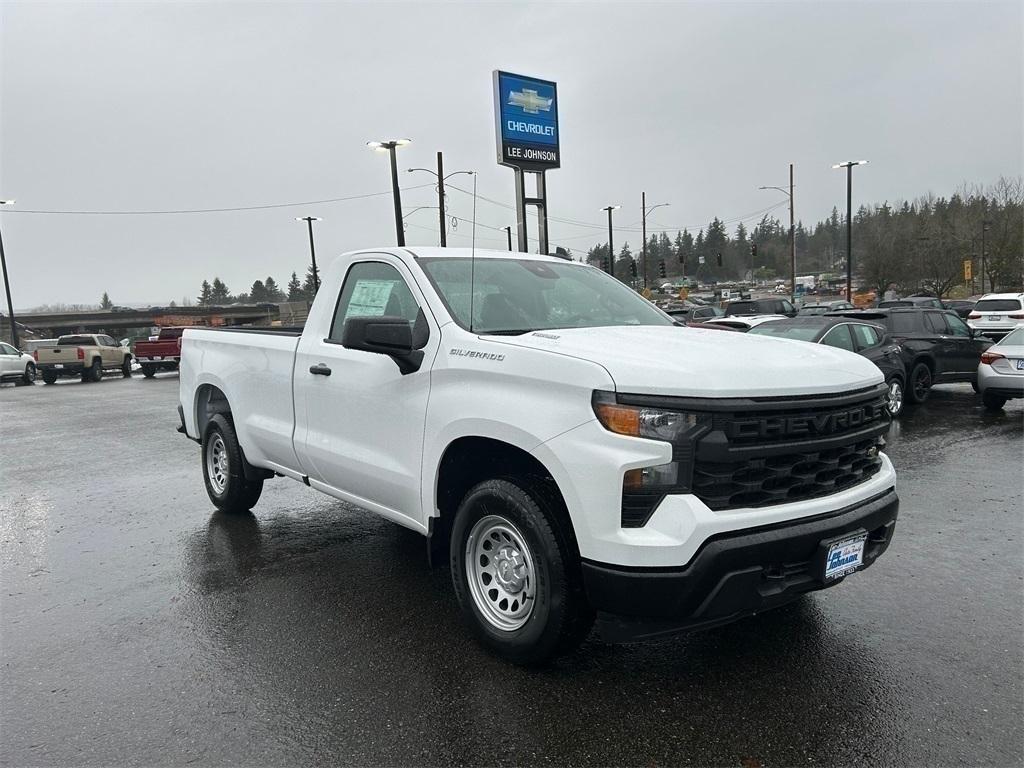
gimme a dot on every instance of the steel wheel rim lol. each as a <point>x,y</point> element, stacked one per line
<point>501,574</point>
<point>217,464</point>
<point>895,397</point>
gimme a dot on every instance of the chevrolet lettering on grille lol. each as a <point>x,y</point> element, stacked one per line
<point>808,424</point>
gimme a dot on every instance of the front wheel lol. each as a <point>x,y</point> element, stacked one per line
<point>29,377</point>
<point>515,577</point>
<point>148,370</point>
<point>126,368</point>
<point>223,472</point>
<point>993,402</point>
<point>894,399</point>
<point>920,383</point>
<point>49,378</point>
<point>94,372</point>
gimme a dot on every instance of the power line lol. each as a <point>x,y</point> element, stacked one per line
<point>213,210</point>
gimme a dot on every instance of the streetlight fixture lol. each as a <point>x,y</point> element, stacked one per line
<point>7,285</point>
<point>792,234</point>
<point>389,146</point>
<point>848,165</point>
<point>643,250</point>
<point>440,193</point>
<point>312,251</point>
<point>611,251</point>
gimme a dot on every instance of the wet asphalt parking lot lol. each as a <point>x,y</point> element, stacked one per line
<point>139,627</point>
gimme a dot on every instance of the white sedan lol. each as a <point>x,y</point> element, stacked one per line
<point>1001,371</point>
<point>16,366</point>
<point>742,323</point>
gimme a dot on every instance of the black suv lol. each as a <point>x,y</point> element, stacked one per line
<point>938,347</point>
<point>761,307</point>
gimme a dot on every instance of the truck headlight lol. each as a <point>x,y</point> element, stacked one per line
<point>637,421</point>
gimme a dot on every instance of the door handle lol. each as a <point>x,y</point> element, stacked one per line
<point>320,370</point>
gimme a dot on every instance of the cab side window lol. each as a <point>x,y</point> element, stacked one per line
<point>957,326</point>
<point>839,337</point>
<point>935,322</point>
<point>373,289</point>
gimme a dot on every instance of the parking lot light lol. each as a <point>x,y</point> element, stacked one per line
<point>7,285</point>
<point>389,146</point>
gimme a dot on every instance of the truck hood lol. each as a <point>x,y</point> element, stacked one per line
<point>696,362</point>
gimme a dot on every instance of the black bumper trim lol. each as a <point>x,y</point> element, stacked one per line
<point>732,575</point>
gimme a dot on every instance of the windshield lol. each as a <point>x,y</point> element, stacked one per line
<point>787,331</point>
<point>514,296</point>
<point>74,341</point>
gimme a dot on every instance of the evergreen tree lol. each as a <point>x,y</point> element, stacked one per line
<point>294,288</point>
<point>624,265</point>
<point>274,293</point>
<point>219,293</point>
<point>205,295</point>
<point>105,302</point>
<point>258,292</point>
<point>309,286</point>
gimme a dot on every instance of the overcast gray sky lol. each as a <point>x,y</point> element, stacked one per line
<point>180,106</point>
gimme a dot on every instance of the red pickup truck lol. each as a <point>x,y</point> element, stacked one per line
<point>160,354</point>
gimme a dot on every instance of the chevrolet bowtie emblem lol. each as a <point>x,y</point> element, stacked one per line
<point>529,101</point>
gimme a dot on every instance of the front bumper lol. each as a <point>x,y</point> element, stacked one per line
<point>733,574</point>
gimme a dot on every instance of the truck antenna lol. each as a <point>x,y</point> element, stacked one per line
<point>472,259</point>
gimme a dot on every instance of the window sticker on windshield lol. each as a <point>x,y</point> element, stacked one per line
<point>369,298</point>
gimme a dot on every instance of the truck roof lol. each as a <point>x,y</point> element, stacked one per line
<point>434,252</point>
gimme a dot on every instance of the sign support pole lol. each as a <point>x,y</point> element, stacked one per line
<point>521,239</point>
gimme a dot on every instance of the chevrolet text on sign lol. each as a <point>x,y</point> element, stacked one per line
<point>526,111</point>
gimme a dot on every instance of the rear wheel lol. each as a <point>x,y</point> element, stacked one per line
<point>993,402</point>
<point>920,383</point>
<point>223,471</point>
<point>94,372</point>
<point>49,378</point>
<point>894,399</point>
<point>29,376</point>
<point>515,576</point>
<point>126,368</point>
<point>148,370</point>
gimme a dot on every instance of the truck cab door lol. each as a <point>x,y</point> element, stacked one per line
<point>359,419</point>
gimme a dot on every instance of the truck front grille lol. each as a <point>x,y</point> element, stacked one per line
<point>757,482</point>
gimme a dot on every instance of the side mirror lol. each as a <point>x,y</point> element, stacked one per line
<point>395,337</point>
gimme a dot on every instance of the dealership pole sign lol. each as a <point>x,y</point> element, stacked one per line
<point>526,110</point>
<point>526,127</point>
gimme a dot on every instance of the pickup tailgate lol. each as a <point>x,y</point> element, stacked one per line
<point>252,370</point>
<point>158,349</point>
<point>58,355</point>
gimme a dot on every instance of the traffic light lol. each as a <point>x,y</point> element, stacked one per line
<point>719,259</point>
<point>632,267</point>
<point>661,268</point>
<point>753,251</point>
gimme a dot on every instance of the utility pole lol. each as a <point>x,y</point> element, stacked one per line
<point>643,249</point>
<point>792,240</point>
<point>848,165</point>
<point>508,231</point>
<point>611,250</point>
<point>7,286</point>
<point>312,250</point>
<point>442,229</point>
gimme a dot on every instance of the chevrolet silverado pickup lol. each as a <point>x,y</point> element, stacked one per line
<point>572,452</point>
<point>83,355</point>
<point>160,354</point>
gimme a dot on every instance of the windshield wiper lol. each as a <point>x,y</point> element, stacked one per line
<point>508,332</point>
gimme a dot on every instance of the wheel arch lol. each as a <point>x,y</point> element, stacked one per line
<point>470,459</point>
<point>209,400</point>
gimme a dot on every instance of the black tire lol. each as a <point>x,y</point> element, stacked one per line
<point>920,383</point>
<point>49,378</point>
<point>897,396</point>
<point>148,370</point>
<point>993,402</point>
<point>229,490</point>
<point>974,385</point>
<point>126,367</point>
<point>94,372</point>
<point>29,377</point>
<point>559,617</point>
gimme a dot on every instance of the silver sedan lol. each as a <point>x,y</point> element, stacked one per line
<point>1001,371</point>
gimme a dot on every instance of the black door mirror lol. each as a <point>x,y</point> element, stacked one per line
<point>395,337</point>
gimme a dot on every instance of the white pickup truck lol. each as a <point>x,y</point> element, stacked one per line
<point>573,451</point>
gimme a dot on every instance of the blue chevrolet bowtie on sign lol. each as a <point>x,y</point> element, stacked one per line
<point>526,110</point>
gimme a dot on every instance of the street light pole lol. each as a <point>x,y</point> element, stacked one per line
<point>643,250</point>
<point>792,235</point>
<point>441,178</point>
<point>611,250</point>
<point>312,250</point>
<point>848,165</point>
<point>391,146</point>
<point>7,285</point>
<point>508,231</point>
